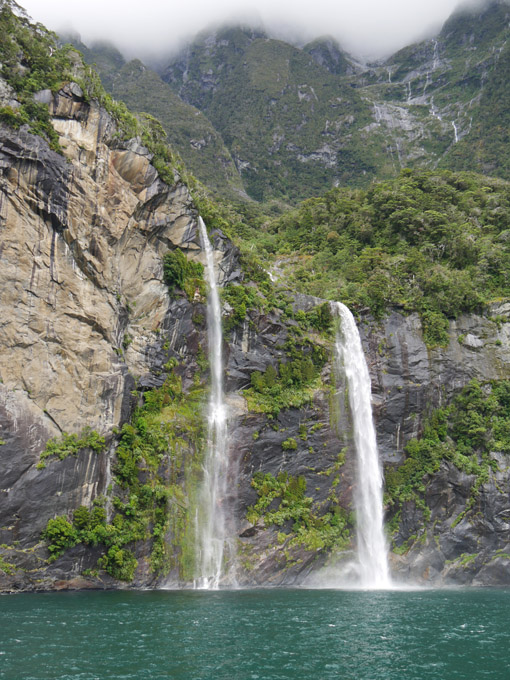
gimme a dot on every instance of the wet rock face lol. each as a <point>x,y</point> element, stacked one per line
<point>82,236</point>
<point>409,380</point>
<point>460,543</point>
<point>320,431</point>
<point>258,443</point>
<point>85,312</point>
<point>463,544</point>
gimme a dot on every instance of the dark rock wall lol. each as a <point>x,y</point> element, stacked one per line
<point>81,246</point>
<point>409,381</point>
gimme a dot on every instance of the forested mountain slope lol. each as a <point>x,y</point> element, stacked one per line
<point>282,122</point>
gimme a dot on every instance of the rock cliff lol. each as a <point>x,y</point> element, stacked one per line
<point>461,534</point>
<point>82,239</point>
<point>89,326</point>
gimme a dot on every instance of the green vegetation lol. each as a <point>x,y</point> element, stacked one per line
<point>119,563</point>
<point>465,433</point>
<point>293,384</point>
<point>29,61</point>
<point>272,105</point>
<point>309,529</point>
<point>240,298</point>
<point>158,451</point>
<point>428,242</point>
<point>318,318</point>
<point>485,149</point>
<point>179,272</point>
<point>435,243</point>
<point>70,444</point>
<point>60,535</point>
<point>7,567</point>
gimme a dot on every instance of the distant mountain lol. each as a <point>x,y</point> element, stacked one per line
<point>486,146</point>
<point>292,126</point>
<point>430,97</point>
<point>327,53</point>
<point>252,114</point>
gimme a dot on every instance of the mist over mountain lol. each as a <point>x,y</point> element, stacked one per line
<point>368,28</point>
<point>253,115</point>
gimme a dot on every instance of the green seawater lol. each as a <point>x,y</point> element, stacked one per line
<point>256,635</point>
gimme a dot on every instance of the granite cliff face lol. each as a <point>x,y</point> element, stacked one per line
<point>409,381</point>
<point>467,535</point>
<point>88,325</point>
<point>83,300</point>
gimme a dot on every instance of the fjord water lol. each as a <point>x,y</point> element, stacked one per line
<point>256,635</point>
<point>211,521</point>
<point>372,568</point>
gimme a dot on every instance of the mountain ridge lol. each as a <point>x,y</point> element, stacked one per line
<point>287,127</point>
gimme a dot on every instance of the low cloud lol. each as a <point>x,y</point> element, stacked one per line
<point>370,28</point>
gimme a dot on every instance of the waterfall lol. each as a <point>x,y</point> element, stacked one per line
<point>427,82</point>
<point>211,523</point>
<point>408,86</point>
<point>435,63</point>
<point>455,131</point>
<point>434,110</point>
<point>372,551</point>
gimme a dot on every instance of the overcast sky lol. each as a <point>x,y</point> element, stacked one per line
<point>369,28</point>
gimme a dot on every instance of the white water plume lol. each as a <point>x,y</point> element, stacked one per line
<point>213,545</point>
<point>372,562</point>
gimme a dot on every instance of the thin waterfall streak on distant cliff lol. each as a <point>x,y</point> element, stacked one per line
<point>211,524</point>
<point>372,549</point>
<point>455,132</point>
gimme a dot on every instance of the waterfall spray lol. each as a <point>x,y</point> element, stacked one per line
<point>211,521</point>
<point>372,551</point>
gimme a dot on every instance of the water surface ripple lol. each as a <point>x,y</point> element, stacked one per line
<point>256,635</point>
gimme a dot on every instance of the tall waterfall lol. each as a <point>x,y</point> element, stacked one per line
<point>372,550</point>
<point>211,527</point>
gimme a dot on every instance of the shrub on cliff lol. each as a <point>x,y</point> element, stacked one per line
<point>60,535</point>
<point>70,444</point>
<point>30,60</point>
<point>179,272</point>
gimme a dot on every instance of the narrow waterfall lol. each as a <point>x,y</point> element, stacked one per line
<point>372,550</point>
<point>455,131</point>
<point>211,522</point>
